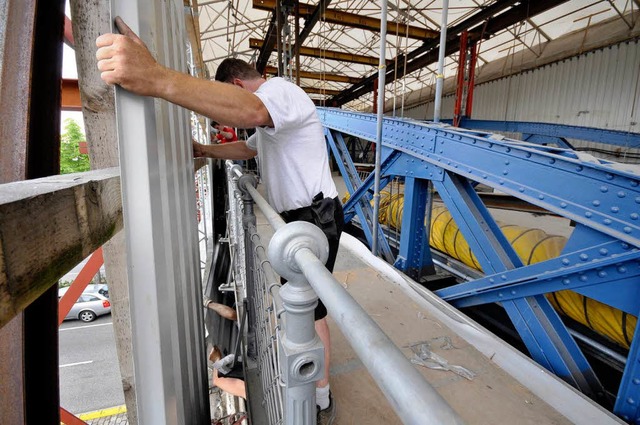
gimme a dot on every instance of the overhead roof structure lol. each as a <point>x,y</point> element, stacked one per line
<point>341,38</point>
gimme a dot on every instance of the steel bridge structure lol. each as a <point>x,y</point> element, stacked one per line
<point>601,259</point>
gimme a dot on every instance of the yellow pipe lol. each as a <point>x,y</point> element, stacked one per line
<point>532,246</point>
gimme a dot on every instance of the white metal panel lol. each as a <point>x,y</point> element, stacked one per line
<point>598,89</point>
<point>159,212</point>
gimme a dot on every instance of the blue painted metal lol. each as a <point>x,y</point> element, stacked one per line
<point>627,403</point>
<point>352,181</point>
<point>414,257</point>
<point>608,199</point>
<point>547,140</point>
<point>599,135</point>
<point>601,259</point>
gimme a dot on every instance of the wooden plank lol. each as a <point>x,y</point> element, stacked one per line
<point>90,19</point>
<point>49,225</point>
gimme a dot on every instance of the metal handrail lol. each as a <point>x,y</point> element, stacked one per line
<point>294,253</point>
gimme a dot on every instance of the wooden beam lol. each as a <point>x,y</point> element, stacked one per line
<point>315,90</point>
<point>256,43</point>
<point>323,76</point>
<point>48,226</point>
<point>354,20</point>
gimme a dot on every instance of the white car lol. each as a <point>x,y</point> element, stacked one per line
<point>88,307</point>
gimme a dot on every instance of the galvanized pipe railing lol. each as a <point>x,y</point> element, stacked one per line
<point>297,252</point>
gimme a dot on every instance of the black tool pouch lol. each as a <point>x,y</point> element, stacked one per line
<point>323,211</point>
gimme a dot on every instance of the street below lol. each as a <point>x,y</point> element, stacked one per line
<point>89,372</point>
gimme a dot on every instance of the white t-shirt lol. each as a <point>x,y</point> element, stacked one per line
<point>293,157</point>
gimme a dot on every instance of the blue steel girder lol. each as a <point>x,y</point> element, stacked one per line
<point>545,140</point>
<point>595,193</point>
<point>365,189</point>
<point>599,135</point>
<point>627,403</point>
<point>414,256</point>
<point>351,179</point>
<point>491,248</point>
<point>527,171</point>
<point>587,269</point>
<point>540,327</point>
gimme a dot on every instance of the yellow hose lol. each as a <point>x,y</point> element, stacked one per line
<point>532,246</point>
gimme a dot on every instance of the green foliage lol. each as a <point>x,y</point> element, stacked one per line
<point>64,283</point>
<point>71,160</point>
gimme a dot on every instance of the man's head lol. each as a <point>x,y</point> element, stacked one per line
<point>237,72</point>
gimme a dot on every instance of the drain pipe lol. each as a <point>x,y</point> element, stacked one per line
<point>381,81</point>
<point>440,75</point>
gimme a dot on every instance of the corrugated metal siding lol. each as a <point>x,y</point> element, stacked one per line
<point>598,89</point>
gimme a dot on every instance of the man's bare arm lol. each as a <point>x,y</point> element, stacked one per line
<point>126,61</point>
<point>231,150</point>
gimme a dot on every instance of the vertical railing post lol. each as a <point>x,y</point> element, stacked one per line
<point>302,352</point>
<point>249,219</point>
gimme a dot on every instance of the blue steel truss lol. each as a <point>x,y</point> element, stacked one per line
<point>548,132</point>
<point>601,259</point>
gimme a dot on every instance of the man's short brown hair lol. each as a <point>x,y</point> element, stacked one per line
<point>231,68</point>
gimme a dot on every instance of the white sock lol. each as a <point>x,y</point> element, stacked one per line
<point>322,397</point>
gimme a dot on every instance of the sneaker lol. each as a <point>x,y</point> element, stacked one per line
<point>327,416</point>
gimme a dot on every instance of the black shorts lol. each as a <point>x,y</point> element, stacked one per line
<point>332,229</point>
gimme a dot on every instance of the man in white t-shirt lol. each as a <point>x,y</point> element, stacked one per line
<point>289,141</point>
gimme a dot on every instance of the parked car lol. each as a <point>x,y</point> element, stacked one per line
<point>91,288</point>
<point>89,306</point>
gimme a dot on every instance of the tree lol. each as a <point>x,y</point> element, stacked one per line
<point>71,160</point>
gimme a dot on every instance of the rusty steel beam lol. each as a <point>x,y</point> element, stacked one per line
<point>315,90</point>
<point>40,333</point>
<point>335,16</point>
<point>267,48</point>
<point>16,27</point>
<point>256,43</point>
<point>31,53</point>
<point>70,95</point>
<point>68,32</point>
<point>496,17</point>
<point>272,70</point>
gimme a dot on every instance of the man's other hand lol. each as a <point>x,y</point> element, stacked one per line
<point>125,60</point>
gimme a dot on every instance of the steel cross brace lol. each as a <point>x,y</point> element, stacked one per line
<point>596,194</point>
<point>363,192</point>
<point>587,269</point>
<point>627,403</point>
<point>540,327</point>
<point>363,207</point>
